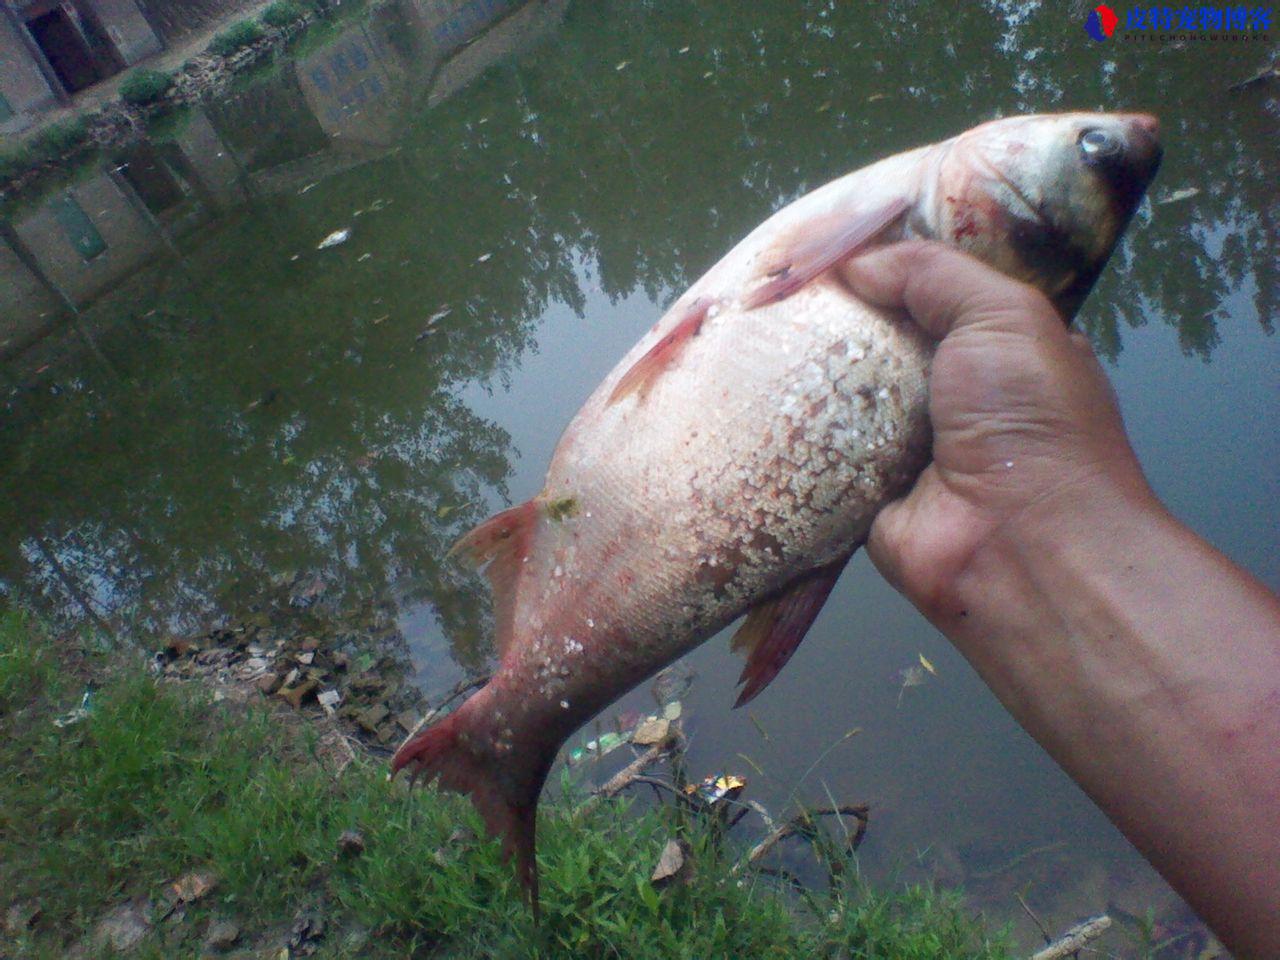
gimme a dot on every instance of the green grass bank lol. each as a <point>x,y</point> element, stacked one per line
<point>158,782</point>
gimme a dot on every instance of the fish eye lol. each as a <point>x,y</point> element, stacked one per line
<point>1097,144</point>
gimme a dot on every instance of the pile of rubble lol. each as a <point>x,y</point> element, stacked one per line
<point>358,677</point>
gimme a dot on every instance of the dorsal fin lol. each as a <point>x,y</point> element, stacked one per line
<point>773,629</point>
<point>664,353</point>
<point>504,542</point>
<point>817,244</point>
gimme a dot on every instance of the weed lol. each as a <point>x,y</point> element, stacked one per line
<point>58,139</point>
<point>235,37</point>
<point>145,86</point>
<point>282,13</point>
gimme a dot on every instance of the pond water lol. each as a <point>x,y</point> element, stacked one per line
<point>232,406</point>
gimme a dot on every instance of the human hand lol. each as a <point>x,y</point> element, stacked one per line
<point>1026,427</point>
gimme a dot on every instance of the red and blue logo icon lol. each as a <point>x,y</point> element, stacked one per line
<point>1101,23</point>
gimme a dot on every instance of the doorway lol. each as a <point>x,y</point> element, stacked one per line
<point>78,52</point>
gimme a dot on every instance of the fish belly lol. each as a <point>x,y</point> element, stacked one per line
<point>766,452</point>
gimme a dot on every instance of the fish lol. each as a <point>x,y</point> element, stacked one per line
<point>734,460</point>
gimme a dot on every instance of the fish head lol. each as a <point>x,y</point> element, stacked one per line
<point>1045,198</point>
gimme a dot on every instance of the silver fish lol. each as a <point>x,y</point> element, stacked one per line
<point>735,459</point>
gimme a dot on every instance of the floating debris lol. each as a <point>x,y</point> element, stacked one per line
<point>672,683</point>
<point>594,749</point>
<point>650,731</point>
<point>335,239</point>
<point>622,65</point>
<point>915,675</point>
<point>484,258</point>
<point>716,788</point>
<point>1186,193</point>
<point>436,317</point>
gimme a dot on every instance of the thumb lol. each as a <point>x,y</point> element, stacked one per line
<point>944,289</point>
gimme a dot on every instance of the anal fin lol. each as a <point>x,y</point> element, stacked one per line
<point>503,542</point>
<point>817,245</point>
<point>773,629</point>
<point>664,353</point>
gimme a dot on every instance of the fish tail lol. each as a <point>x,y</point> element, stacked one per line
<point>458,753</point>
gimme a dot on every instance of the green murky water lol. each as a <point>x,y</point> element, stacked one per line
<point>255,407</point>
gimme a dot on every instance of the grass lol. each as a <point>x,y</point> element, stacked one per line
<point>54,142</point>
<point>159,781</point>
<point>145,86</point>
<point>282,13</point>
<point>235,37</point>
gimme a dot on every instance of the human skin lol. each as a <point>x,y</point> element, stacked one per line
<point>1144,661</point>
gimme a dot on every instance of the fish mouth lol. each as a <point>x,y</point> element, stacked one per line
<point>1130,172</point>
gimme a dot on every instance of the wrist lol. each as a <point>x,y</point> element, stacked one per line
<point>1045,571</point>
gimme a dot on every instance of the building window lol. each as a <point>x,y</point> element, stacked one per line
<point>77,227</point>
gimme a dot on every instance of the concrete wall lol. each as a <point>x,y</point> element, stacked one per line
<point>129,237</point>
<point>21,82</point>
<point>127,28</point>
<point>516,32</point>
<point>176,20</point>
<point>451,23</point>
<point>211,159</point>
<point>26,305</point>
<point>351,85</point>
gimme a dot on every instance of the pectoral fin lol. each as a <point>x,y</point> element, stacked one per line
<point>774,628</point>
<point>818,244</point>
<point>664,353</point>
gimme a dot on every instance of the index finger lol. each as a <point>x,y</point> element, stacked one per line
<point>944,289</point>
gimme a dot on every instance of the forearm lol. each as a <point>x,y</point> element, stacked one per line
<point>1106,641</point>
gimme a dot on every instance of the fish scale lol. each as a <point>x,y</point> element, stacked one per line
<point>738,455</point>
